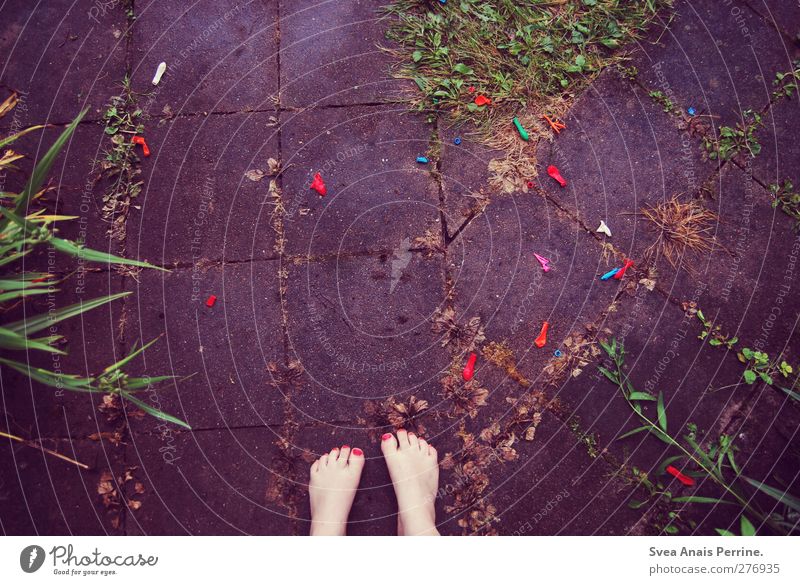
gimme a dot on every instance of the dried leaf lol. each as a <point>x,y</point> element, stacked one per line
<point>255,174</point>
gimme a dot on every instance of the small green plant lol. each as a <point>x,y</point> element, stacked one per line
<point>785,197</point>
<point>785,83</point>
<point>589,440</point>
<point>715,463</point>
<point>630,73</point>
<point>663,101</point>
<point>733,141</point>
<point>759,365</point>
<point>714,333</point>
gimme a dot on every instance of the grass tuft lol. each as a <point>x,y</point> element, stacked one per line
<point>530,58</point>
<point>681,226</point>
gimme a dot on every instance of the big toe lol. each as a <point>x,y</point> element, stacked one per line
<point>388,444</point>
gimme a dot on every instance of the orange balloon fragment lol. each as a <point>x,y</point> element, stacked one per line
<point>140,141</point>
<point>482,100</point>
<point>554,124</point>
<point>542,339</point>
<point>319,185</point>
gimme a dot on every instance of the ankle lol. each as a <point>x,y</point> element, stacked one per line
<point>419,527</point>
<point>419,522</point>
<point>319,528</point>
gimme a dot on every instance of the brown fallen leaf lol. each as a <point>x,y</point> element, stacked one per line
<point>255,175</point>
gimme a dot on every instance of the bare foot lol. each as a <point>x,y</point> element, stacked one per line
<point>332,487</point>
<point>414,469</point>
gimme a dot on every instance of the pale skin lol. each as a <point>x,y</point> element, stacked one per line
<point>413,466</point>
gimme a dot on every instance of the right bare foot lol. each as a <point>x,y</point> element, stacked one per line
<point>414,469</point>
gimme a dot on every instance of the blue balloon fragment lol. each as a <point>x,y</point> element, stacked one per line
<point>609,274</point>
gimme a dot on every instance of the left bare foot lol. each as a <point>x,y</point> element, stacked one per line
<point>332,487</point>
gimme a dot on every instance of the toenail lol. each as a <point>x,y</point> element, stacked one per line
<point>387,436</point>
<point>410,434</point>
<point>357,452</point>
<point>345,446</point>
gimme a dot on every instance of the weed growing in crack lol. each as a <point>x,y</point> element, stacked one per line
<point>716,462</point>
<point>664,101</point>
<point>785,197</point>
<point>121,164</point>
<point>759,365</point>
<point>785,83</point>
<point>714,333</point>
<point>737,140</point>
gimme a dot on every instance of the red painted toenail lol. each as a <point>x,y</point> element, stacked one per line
<point>357,452</point>
<point>345,446</point>
<point>387,436</point>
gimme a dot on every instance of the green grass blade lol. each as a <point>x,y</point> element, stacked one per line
<point>747,527</point>
<point>24,282</point>
<point>13,258</point>
<point>139,383</point>
<point>699,500</point>
<point>18,294</point>
<point>69,381</point>
<point>633,432</point>
<point>43,167</point>
<point>641,396</point>
<point>792,395</point>
<point>662,412</point>
<point>662,468</point>
<point>9,139</point>
<point>39,322</point>
<point>127,359</point>
<point>782,496</point>
<point>12,340</point>
<point>90,255</point>
<point>153,411</point>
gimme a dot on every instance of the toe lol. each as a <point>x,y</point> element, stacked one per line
<point>343,455</point>
<point>333,456</point>
<point>315,466</point>
<point>356,461</point>
<point>413,441</point>
<point>432,452</point>
<point>423,445</point>
<point>323,461</point>
<point>402,439</point>
<point>388,444</point>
